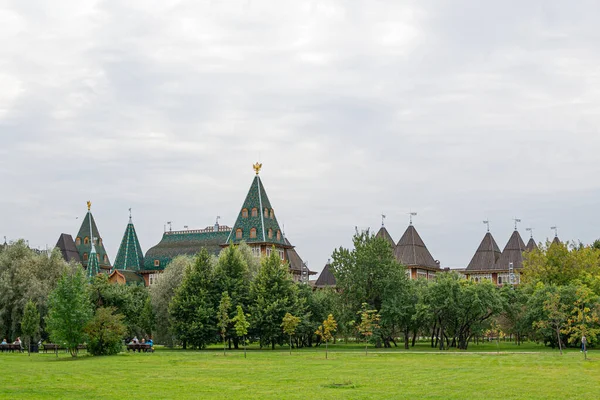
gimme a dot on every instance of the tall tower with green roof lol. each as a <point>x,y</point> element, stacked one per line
<point>88,239</point>
<point>129,256</point>
<point>256,223</point>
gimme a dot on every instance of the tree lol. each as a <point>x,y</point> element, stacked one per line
<point>30,325</point>
<point>192,308</point>
<point>223,316</point>
<point>368,323</point>
<point>241,325</point>
<point>555,312</point>
<point>27,275</point>
<point>105,332</point>
<point>69,310</point>
<point>273,294</point>
<point>585,317</point>
<point>289,324</point>
<point>161,294</point>
<point>326,331</point>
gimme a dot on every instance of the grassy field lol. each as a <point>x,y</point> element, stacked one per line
<point>525,372</point>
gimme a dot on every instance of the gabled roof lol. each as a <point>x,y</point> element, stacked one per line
<point>84,231</point>
<point>326,278</point>
<point>486,255</point>
<point>531,245</point>
<point>128,277</point>
<point>412,252</point>
<point>129,256</point>
<point>384,234</point>
<point>263,221</point>
<point>66,244</point>
<point>512,253</point>
<point>295,261</point>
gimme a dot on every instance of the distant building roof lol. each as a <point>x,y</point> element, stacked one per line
<point>512,253</point>
<point>125,277</point>
<point>129,256</point>
<point>531,245</point>
<point>66,245</point>
<point>384,234</point>
<point>326,278</point>
<point>486,255</point>
<point>83,248</point>
<point>412,252</point>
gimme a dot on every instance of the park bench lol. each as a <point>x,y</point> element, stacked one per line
<point>50,346</point>
<point>140,347</point>
<point>11,347</point>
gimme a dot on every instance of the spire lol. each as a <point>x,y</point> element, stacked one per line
<point>256,222</point>
<point>130,256</point>
<point>93,268</point>
<point>384,234</point>
<point>411,250</point>
<point>88,239</point>
<point>486,255</point>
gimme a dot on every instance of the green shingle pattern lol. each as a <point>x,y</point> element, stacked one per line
<point>93,268</point>
<point>174,244</point>
<point>257,198</point>
<point>129,256</point>
<point>84,231</point>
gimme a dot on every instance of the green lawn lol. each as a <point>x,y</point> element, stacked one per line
<point>515,372</point>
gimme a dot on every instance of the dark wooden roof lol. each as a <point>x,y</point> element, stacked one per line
<point>326,278</point>
<point>531,245</point>
<point>486,255</point>
<point>383,233</point>
<point>411,251</point>
<point>67,247</point>
<point>556,240</point>
<point>294,259</point>
<point>512,253</point>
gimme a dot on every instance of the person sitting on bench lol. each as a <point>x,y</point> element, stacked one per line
<point>4,341</point>
<point>18,341</point>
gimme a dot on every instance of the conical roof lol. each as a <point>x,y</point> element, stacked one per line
<point>556,240</point>
<point>129,256</point>
<point>531,245</point>
<point>512,253</point>
<point>93,267</point>
<point>85,248</point>
<point>326,277</point>
<point>384,234</point>
<point>66,245</point>
<point>256,222</point>
<point>411,250</point>
<point>486,255</point>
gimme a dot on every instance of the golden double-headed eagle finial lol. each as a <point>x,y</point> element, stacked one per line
<point>89,203</point>
<point>257,167</point>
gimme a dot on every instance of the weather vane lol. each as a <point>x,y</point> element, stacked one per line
<point>487,223</point>
<point>555,229</point>
<point>530,230</point>
<point>89,204</point>
<point>257,167</point>
<point>412,214</point>
<point>517,220</point>
<point>382,219</point>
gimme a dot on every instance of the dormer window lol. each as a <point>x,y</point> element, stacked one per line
<point>272,214</point>
<point>278,235</point>
<point>270,233</point>
<point>157,263</point>
<point>253,233</point>
<point>78,241</point>
<point>105,259</point>
<point>85,257</point>
<point>255,212</point>
<point>245,213</point>
<point>266,213</point>
<point>238,233</point>
<point>98,257</point>
<point>100,242</point>
<point>86,240</point>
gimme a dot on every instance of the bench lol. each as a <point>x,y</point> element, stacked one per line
<point>140,347</point>
<point>11,347</point>
<point>50,346</point>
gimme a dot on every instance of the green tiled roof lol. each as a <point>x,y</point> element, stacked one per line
<point>129,256</point>
<point>263,222</point>
<point>191,242</point>
<point>82,248</point>
<point>93,268</point>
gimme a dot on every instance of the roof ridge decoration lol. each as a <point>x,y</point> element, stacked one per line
<point>486,255</point>
<point>411,250</point>
<point>130,256</point>
<point>256,199</point>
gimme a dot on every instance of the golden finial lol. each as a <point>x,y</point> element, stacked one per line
<point>257,167</point>
<point>89,203</point>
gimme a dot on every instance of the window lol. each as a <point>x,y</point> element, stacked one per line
<point>86,240</point>
<point>238,233</point>
<point>152,278</point>
<point>85,257</point>
<point>100,242</point>
<point>278,235</point>
<point>256,251</point>
<point>245,213</point>
<point>253,233</point>
<point>157,263</point>
<point>105,259</point>
<point>282,255</point>
<point>266,213</point>
<point>272,214</point>
<point>268,251</point>
<point>255,212</point>
<point>270,233</point>
<point>98,257</point>
<point>78,241</point>
<point>499,280</point>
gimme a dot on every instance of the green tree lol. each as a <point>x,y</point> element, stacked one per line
<point>369,322</point>
<point>69,310</point>
<point>555,313</point>
<point>585,317</point>
<point>326,331</point>
<point>223,316</point>
<point>192,308</point>
<point>289,324</point>
<point>273,294</point>
<point>30,325</point>
<point>241,325</point>
<point>161,294</point>
<point>105,332</point>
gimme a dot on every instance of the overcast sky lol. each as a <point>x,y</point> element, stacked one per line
<point>458,110</point>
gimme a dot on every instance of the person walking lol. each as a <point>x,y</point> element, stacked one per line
<point>583,344</point>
